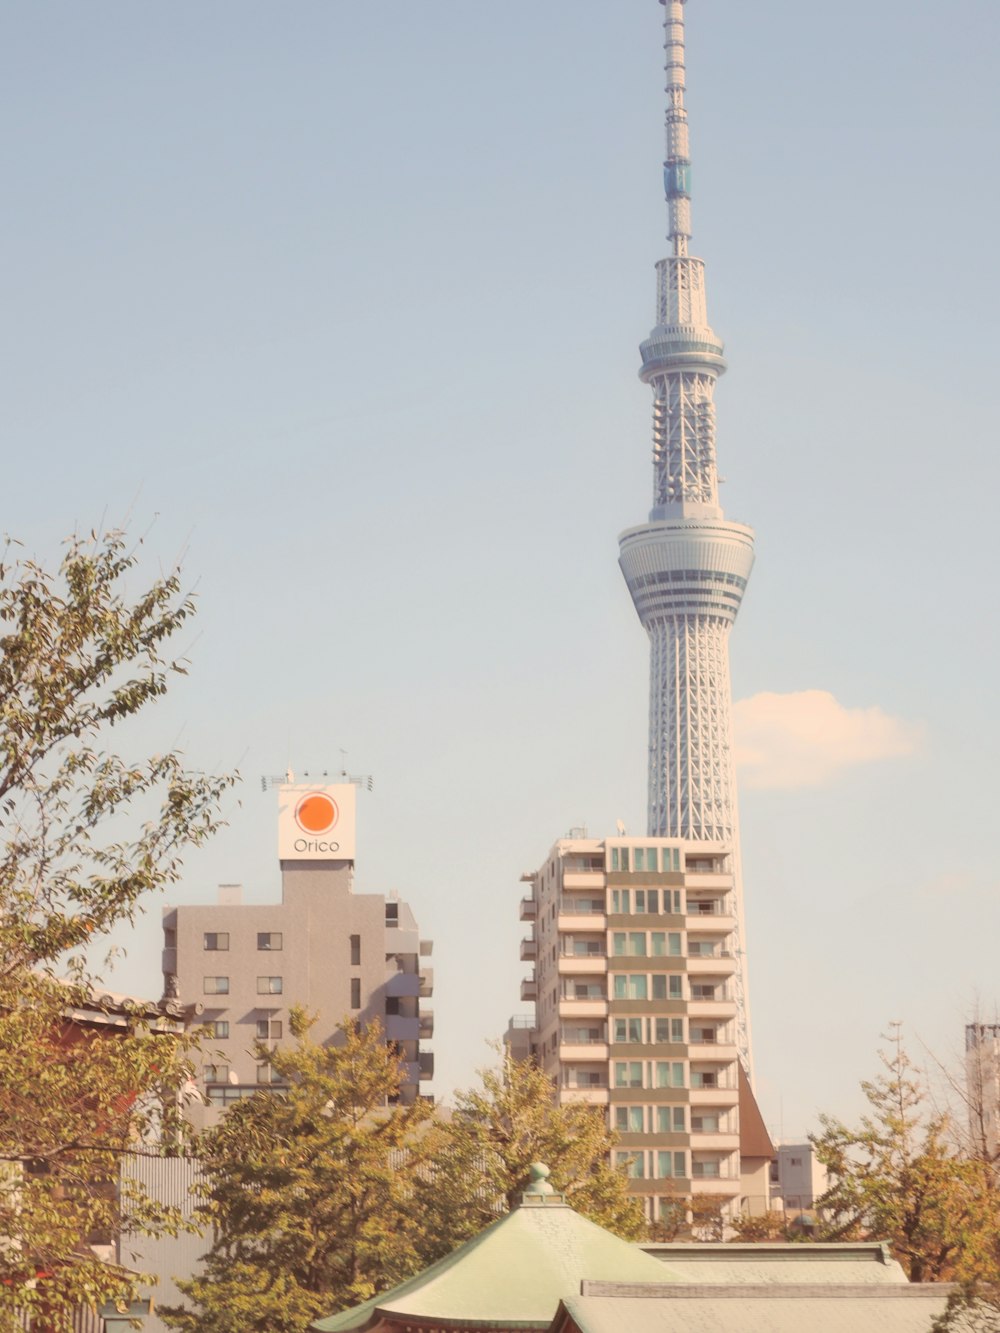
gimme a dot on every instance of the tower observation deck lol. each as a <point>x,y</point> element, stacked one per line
<point>687,567</point>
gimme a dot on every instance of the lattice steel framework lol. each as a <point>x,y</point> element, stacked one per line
<point>688,566</point>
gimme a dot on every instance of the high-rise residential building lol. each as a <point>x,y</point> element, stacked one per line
<point>340,954</point>
<point>638,944</point>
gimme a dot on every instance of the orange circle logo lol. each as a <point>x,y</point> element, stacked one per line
<point>316,813</point>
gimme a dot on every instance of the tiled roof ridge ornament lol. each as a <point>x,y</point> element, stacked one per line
<point>540,1191</point>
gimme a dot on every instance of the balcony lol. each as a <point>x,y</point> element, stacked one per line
<point>584,964</point>
<point>168,961</point>
<point>426,1063</point>
<point>426,1024</point>
<point>590,1006</point>
<point>398,1028</point>
<point>592,1096</point>
<point>714,1097</point>
<point>529,909</point>
<point>402,985</point>
<point>529,989</point>
<point>426,983</point>
<point>701,965</point>
<point>529,949</point>
<point>578,1050</point>
<point>583,879</point>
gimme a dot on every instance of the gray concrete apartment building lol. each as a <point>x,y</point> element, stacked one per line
<point>338,953</point>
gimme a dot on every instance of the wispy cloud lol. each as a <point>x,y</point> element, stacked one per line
<point>805,739</point>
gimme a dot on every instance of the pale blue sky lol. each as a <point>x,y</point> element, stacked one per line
<point>349,296</point>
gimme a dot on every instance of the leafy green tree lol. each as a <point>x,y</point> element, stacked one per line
<point>309,1187</point>
<point>895,1177</point>
<point>84,834</point>
<point>484,1152</point>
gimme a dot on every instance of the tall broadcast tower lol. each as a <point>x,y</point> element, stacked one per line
<point>687,567</point>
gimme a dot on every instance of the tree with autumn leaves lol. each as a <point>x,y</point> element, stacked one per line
<point>329,1191</point>
<point>85,835</point>
<point>905,1176</point>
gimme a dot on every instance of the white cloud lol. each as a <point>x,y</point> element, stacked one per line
<point>805,739</point>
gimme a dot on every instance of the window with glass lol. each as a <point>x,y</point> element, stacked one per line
<point>269,940</point>
<point>355,992</point>
<point>629,987</point>
<point>355,951</point>
<point>702,1123</point>
<point>268,1029</point>
<point>628,1029</point>
<point>671,1120</point>
<point>628,1119</point>
<point>269,985</point>
<point>669,987</point>
<point>704,1078</point>
<point>216,1073</point>
<point>216,941</point>
<point>215,986</point>
<point>633,1162</point>
<point>670,1073</point>
<point>220,1029</point>
<point>671,1165</point>
<point>628,1073</point>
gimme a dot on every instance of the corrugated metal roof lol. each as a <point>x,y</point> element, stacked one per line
<point>756,1309</point>
<point>867,1264</point>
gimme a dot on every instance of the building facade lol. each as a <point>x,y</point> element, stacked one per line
<point>633,963</point>
<point>340,954</point>
<point>982,1088</point>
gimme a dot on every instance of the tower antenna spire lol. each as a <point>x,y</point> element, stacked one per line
<point>677,164</point>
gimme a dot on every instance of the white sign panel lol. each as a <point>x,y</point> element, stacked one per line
<point>316,823</point>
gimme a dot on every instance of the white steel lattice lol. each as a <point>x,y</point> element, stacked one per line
<point>691,779</point>
<point>684,439</point>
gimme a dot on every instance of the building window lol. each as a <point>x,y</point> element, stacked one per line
<point>670,1073</point>
<point>585,990</point>
<point>355,951</point>
<point>670,1120</point>
<point>704,1124</point>
<point>216,986</point>
<point>628,1029</point>
<point>267,1074</point>
<point>628,1119</point>
<point>392,1007</point>
<point>709,1079</point>
<point>628,1074</point>
<point>629,987</point>
<point>667,987</point>
<point>269,940</point>
<point>269,1029</point>
<point>633,1162</point>
<point>220,1029</point>
<point>269,986</point>
<point>392,914</point>
<point>216,940</point>
<point>671,1165</point>
<point>355,992</point>
<point>216,1073</point>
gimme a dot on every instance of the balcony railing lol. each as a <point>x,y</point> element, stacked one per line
<point>529,909</point>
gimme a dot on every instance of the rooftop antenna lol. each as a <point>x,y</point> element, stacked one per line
<point>365,780</point>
